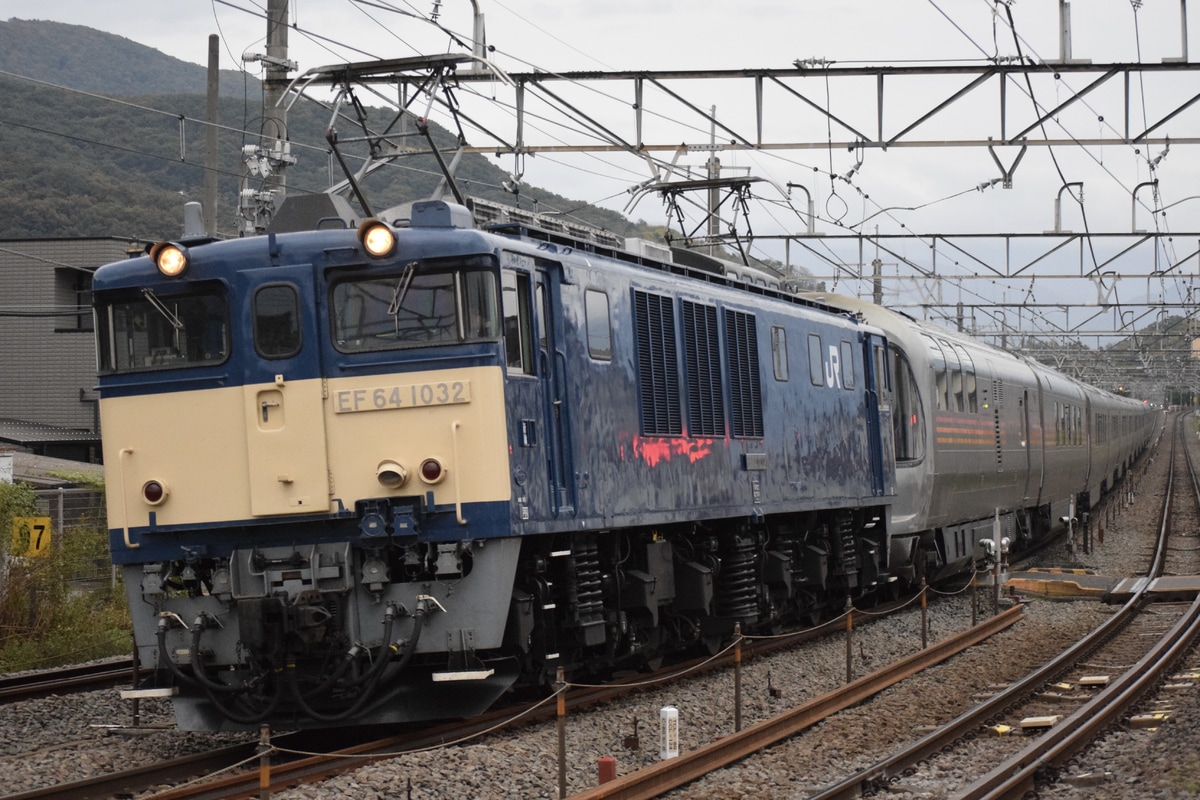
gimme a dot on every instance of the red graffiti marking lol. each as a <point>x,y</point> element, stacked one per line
<point>654,451</point>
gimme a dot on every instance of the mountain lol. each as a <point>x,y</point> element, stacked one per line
<point>93,61</point>
<point>105,139</point>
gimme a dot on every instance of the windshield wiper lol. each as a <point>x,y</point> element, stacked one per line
<point>399,293</point>
<point>152,298</point>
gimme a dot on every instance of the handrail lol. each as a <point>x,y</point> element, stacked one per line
<point>129,543</point>
<point>454,426</point>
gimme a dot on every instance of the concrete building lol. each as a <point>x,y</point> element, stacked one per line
<point>48,402</point>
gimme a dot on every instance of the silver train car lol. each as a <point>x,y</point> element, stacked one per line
<point>981,432</point>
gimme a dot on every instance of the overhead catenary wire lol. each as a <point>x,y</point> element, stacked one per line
<point>874,201</point>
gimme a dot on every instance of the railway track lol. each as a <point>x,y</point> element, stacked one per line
<point>1121,640</point>
<point>1056,697</point>
<point>83,677</point>
<point>1018,773</point>
<point>291,764</point>
<point>234,771</point>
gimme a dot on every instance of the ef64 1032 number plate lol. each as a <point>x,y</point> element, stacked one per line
<point>412,395</point>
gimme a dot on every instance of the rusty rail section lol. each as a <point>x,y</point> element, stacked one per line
<point>652,781</point>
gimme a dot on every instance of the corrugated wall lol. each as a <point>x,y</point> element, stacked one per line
<point>47,355</point>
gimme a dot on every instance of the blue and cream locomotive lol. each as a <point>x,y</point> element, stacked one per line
<point>385,471</point>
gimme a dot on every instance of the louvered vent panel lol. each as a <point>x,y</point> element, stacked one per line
<point>658,366</point>
<point>706,404</point>
<point>745,391</point>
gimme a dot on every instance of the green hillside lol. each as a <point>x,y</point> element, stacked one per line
<point>77,164</point>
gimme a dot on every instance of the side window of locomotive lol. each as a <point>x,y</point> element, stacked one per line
<point>480,317</point>
<point>277,321</point>
<point>518,322</point>
<point>847,365</point>
<point>816,366</point>
<point>779,352</point>
<point>599,325</point>
<point>908,421</point>
<point>540,308</point>
<point>151,332</point>
<point>745,391</point>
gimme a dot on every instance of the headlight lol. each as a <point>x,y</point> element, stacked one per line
<point>171,259</point>
<point>377,238</point>
<point>391,475</point>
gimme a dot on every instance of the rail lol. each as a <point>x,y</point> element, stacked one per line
<point>652,781</point>
<point>893,765</point>
<point>1015,775</point>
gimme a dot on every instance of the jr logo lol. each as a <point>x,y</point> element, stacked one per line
<point>833,369</point>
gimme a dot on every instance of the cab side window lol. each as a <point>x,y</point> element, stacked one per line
<point>518,323</point>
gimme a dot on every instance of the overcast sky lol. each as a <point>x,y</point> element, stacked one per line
<point>703,34</point>
<point>631,34</point>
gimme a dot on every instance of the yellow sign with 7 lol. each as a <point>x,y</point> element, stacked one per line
<point>31,536</point>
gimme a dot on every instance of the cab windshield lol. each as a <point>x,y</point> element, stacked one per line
<point>415,308</point>
<point>148,331</point>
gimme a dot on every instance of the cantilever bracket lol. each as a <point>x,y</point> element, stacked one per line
<point>1006,174</point>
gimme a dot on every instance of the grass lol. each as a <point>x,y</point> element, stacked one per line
<point>47,616</point>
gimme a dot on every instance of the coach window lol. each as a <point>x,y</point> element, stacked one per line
<point>599,325</point>
<point>908,421</point>
<point>779,352</point>
<point>882,375</point>
<point>518,329</point>
<point>967,395</point>
<point>937,363</point>
<point>277,321</point>
<point>816,366</point>
<point>847,365</point>
<point>952,383</point>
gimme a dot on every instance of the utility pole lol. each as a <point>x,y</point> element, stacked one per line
<point>267,160</point>
<point>714,194</point>
<point>274,84</point>
<point>212,115</point>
